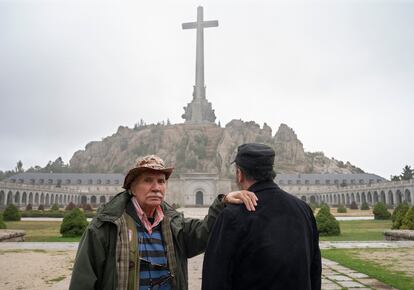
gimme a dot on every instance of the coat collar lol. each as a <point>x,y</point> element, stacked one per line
<point>263,185</point>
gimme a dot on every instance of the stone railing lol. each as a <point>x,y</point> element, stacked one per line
<point>12,235</point>
<point>399,235</point>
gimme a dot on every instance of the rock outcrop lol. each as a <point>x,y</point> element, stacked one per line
<point>201,148</point>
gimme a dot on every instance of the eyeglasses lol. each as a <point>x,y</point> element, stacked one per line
<point>156,283</point>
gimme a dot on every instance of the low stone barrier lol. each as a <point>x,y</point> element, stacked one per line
<point>12,235</point>
<point>399,235</point>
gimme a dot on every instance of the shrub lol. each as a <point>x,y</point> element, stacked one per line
<point>11,213</point>
<point>41,207</point>
<point>313,206</point>
<point>86,207</point>
<point>2,224</point>
<point>353,205</point>
<point>74,223</point>
<point>40,213</point>
<point>29,207</point>
<point>408,220</point>
<point>364,206</point>
<point>55,207</point>
<point>326,222</point>
<point>398,215</point>
<point>380,211</point>
<point>341,209</point>
<point>70,206</point>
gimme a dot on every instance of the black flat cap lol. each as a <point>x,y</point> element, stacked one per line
<point>255,156</point>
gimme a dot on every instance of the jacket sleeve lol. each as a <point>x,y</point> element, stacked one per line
<point>89,262</point>
<point>316,266</point>
<point>196,232</point>
<point>220,252</point>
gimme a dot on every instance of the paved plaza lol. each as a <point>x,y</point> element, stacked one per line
<point>334,276</point>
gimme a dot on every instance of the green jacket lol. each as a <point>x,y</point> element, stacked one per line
<point>107,252</point>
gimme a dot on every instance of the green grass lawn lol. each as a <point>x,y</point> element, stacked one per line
<point>348,258</point>
<point>40,231</point>
<point>364,230</point>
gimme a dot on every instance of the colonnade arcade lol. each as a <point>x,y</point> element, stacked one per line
<point>390,193</point>
<point>22,198</point>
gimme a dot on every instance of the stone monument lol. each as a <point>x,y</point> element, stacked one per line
<point>199,110</point>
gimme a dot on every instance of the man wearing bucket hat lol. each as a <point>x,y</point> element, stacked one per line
<point>137,241</point>
<point>274,247</point>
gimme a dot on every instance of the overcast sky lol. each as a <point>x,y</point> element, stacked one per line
<point>340,73</point>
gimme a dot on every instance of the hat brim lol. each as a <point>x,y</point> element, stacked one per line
<point>134,172</point>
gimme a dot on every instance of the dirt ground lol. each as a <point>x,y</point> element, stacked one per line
<point>401,259</point>
<point>40,269</point>
<point>34,269</point>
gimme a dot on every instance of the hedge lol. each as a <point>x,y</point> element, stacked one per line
<point>74,223</point>
<point>380,211</point>
<point>11,213</point>
<point>326,222</point>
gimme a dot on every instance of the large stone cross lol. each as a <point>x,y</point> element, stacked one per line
<point>199,88</point>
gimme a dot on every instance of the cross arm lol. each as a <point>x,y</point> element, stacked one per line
<point>204,24</point>
<point>189,25</point>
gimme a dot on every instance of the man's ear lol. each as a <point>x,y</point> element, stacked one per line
<point>239,175</point>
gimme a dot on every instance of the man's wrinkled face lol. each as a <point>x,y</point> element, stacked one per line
<point>149,189</point>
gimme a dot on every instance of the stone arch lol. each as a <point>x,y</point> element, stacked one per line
<point>390,198</point>
<point>335,199</point>
<point>64,199</point>
<point>2,197</point>
<point>330,199</point>
<point>342,198</point>
<point>84,199</point>
<point>93,199</point>
<point>363,197</point>
<point>382,196</point>
<point>358,197</point>
<point>348,198</point>
<point>352,197</point>
<point>376,198</point>
<point>407,196</point>
<point>60,199</point>
<point>31,198</point>
<point>24,198</point>
<point>36,198</point>
<point>399,196</point>
<point>102,199</point>
<point>42,198</point>
<point>17,198</point>
<point>52,199</point>
<point>369,198</point>
<point>199,198</point>
<point>47,200</point>
<point>9,198</point>
<point>313,199</point>
<point>303,198</point>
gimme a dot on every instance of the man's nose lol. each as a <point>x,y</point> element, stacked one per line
<point>156,186</point>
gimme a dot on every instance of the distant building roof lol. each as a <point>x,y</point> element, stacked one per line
<point>68,178</point>
<point>115,179</point>
<point>328,179</point>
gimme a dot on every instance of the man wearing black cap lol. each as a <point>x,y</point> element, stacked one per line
<point>274,247</point>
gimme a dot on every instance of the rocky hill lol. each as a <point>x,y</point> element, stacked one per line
<point>201,148</point>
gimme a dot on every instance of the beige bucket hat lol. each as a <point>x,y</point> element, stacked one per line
<point>150,162</point>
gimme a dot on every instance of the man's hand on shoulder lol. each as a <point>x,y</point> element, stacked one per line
<point>242,196</point>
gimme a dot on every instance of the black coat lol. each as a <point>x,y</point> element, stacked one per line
<point>274,247</point>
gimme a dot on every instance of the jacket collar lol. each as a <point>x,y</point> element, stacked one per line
<point>116,207</point>
<point>262,185</point>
